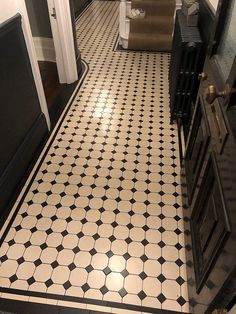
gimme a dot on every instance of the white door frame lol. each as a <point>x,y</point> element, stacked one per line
<point>67,43</point>
<point>63,40</point>
<point>20,4</point>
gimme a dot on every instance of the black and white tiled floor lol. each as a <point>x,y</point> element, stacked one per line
<point>102,219</point>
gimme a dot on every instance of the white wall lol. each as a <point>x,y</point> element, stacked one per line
<point>9,8</point>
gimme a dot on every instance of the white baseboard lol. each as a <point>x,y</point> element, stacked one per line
<point>45,50</point>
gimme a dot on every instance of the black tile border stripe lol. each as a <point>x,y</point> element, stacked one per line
<point>48,146</point>
<point>24,307</point>
<point>88,301</point>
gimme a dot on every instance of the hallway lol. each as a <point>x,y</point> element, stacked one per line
<point>101,216</point>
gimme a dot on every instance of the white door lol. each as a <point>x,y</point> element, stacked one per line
<point>60,19</point>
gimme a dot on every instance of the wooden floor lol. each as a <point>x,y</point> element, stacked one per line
<point>51,85</point>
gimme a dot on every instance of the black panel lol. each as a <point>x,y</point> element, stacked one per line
<point>22,124</point>
<point>18,165</point>
<point>196,146</point>
<point>209,223</point>
<point>19,100</point>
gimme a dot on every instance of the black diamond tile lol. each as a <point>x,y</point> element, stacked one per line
<point>181,301</point>
<point>145,242</point>
<point>161,298</point>
<point>11,242</point>
<point>122,292</point>
<point>87,208</point>
<point>71,266</point>
<point>177,218</point>
<point>161,244</point>
<point>145,228</point>
<point>54,264</point>
<point>59,248</point>
<point>176,205</point>
<point>13,278</point>
<point>179,262</point>
<point>177,231</point>
<point>49,231</point>
<point>64,233</point>
<point>161,278</point>
<point>109,254</point>
<point>107,270</point>
<point>49,283</point>
<point>37,262</point>
<point>116,211</point>
<point>67,285</point>
<point>126,256</point>
<point>161,229</point>
<point>39,216</point>
<point>3,258</point>
<point>85,287</point>
<point>131,213</point>
<point>161,260</point>
<point>31,280</point>
<point>76,250</point>
<point>99,222</point>
<point>144,258</point>
<point>43,246</point>
<point>33,230</point>
<point>142,295</point>
<point>130,226</point>
<point>112,238</point>
<point>128,240</point>
<point>96,236</point>
<point>114,224</point>
<point>178,246</point>
<point>69,219</point>
<point>124,273</point>
<point>92,251</point>
<point>84,221</point>
<point>101,210</point>
<point>53,218</point>
<point>89,268</point>
<point>180,280</point>
<point>161,216</point>
<point>132,201</point>
<point>20,260</point>
<point>80,235</point>
<point>104,290</point>
<point>143,275</point>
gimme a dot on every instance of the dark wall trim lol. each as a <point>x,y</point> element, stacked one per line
<point>18,165</point>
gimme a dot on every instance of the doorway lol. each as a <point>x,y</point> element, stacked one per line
<point>52,51</point>
<point>43,41</point>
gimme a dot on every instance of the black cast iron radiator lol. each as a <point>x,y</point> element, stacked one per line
<point>186,62</point>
